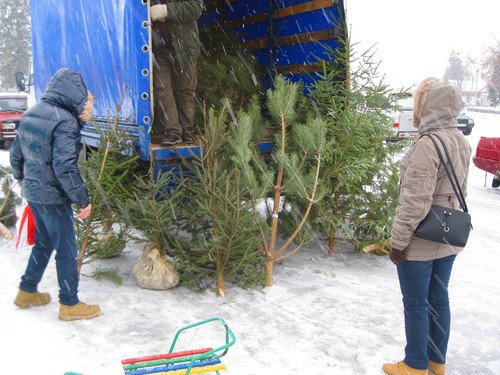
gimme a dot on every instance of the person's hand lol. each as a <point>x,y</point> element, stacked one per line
<point>159,12</point>
<point>396,255</point>
<point>84,212</point>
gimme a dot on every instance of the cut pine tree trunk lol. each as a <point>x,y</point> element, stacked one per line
<point>269,272</point>
<point>333,228</point>
<point>221,288</point>
<point>331,242</point>
<point>5,232</point>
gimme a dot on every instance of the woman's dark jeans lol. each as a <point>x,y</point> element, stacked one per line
<point>54,230</point>
<point>424,286</point>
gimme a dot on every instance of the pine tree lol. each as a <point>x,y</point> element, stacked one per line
<point>223,244</point>
<point>293,171</point>
<point>154,208</point>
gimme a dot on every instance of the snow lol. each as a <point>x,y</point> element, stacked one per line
<point>324,315</point>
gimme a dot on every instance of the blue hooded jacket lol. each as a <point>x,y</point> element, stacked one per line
<point>44,155</point>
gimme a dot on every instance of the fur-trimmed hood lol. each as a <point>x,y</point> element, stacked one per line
<point>436,105</point>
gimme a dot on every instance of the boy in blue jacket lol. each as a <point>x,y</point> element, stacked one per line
<point>44,159</point>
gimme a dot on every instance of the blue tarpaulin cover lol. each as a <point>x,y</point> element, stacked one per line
<point>106,42</point>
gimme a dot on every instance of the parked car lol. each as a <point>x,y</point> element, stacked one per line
<point>487,158</point>
<point>12,107</point>
<point>403,121</point>
<point>465,123</point>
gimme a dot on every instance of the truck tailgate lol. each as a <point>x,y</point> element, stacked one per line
<point>406,128</point>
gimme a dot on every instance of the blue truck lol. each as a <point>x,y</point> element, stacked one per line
<point>109,43</point>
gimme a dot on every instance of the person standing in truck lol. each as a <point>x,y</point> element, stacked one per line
<point>176,47</point>
<point>44,159</point>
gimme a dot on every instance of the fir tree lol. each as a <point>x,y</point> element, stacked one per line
<point>493,96</point>
<point>10,199</point>
<point>225,71</point>
<point>109,179</point>
<point>358,169</point>
<point>226,76</point>
<point>15,41</point>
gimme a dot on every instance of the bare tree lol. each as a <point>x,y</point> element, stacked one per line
<point>491,72</point>
<point>458,69</point>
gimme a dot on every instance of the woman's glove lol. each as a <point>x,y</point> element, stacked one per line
<point>159,12</point>
<point>396,255</point>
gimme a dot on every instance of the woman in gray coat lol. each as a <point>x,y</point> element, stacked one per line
<point>424,267</point>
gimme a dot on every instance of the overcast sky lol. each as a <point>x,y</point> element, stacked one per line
<point>414,38</point>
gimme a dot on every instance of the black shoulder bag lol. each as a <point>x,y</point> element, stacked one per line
<point>444,224</point>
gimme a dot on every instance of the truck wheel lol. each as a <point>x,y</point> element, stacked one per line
<point>495,183</point>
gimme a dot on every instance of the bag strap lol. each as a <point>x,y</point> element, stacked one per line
<point>447,167</point>
<point>464,205</point>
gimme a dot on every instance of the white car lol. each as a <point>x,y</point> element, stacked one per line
<point>403,119</point>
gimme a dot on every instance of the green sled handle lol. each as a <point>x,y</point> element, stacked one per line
<point>214,353</point>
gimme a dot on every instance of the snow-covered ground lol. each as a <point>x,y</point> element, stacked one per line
<point>341,315</point>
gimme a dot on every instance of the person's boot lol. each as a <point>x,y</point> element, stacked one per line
<point>187,137</point>
<point>170,140</point>
<point>27,299</point>
<point>436,368</point>
<point>79,311</point>
<point>402,368</point>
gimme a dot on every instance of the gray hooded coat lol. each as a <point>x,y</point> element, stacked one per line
<point>423,178</point>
